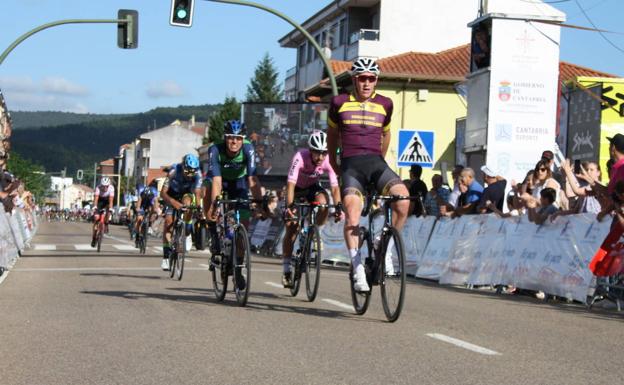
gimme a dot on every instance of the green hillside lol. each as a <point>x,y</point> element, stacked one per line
<point>30,119</point>
<point>79,145</point>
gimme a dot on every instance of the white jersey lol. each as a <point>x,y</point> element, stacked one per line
<point>105,191</point>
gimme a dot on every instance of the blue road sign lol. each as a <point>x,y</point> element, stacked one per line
<point>416,147</point>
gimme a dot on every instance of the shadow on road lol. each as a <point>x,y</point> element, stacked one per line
<point>122,275</point>
<point>206,296</point>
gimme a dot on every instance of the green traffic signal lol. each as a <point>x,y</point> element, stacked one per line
<point>181,13</point>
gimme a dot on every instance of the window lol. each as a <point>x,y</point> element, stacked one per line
<point>301,55</point>
<point>310,53</point>
<point>342,32</point>
<point>318,41</point>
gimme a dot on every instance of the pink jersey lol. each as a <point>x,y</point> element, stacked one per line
<point>304,173</point>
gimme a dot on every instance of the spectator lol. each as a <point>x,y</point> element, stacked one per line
<point>546,206</point>
<point>514,207</point>
<point>454,196</point>
<point>542,178</point>
<point>493,193</point>
<point>471,193</point>
<point>417,188</point>
<point>437,197</point>
<point>587,201</point>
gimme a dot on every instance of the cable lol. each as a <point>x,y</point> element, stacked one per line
<point>594,25</point>
<point>545,2</point>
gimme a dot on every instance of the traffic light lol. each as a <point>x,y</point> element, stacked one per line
<point>128,33</point>
<point>181,13</point>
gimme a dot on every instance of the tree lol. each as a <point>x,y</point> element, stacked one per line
<point>263,87</point>
<point>230,109</point>
<point>32,174</point>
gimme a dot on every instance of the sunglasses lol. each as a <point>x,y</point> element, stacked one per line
<point>234,137</point>
<point>364,79</point>
<point>542,169</point>
<point>319,153</point>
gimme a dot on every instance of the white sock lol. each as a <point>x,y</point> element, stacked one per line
<point>286,265</point>
<point>389,248</point>
<point>356,258</point>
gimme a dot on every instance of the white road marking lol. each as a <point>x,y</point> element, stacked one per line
<point>274,285</point>
<point>204,265</point>
<point>84,247</point>
<point>3,277</point>
<point>463,344</point>
<point>45,247</point>
<point>65,269</point>
<point>158,249</point>
<point>125,247</point>
<point>338,304</point>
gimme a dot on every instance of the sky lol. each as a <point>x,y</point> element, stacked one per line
<point>78,68</point>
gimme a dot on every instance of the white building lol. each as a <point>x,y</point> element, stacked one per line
<point>167,145</point>
<point>348,29</point>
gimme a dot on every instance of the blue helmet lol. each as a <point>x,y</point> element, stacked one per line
<point>190,162</point>
<point>234,127</point>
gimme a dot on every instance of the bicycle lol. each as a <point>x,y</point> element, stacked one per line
<point>391,280</point>
<point>307,259</point>
<point>178,242</point>
<point>101,228</point>
<point>234,251</point>
<point>142,235</point>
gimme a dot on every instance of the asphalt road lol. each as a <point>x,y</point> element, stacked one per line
<point>73,316</point>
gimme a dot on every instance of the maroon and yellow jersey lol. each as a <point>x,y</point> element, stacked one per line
<point>360,123</point>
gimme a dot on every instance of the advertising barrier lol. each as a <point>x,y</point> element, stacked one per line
<point>16,231</point>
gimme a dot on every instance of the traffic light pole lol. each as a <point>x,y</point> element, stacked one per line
<point>305,33</point>
<point>54,24</point>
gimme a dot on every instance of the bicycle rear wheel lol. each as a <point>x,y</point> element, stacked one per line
<point>242,267</point>
<point>392,281</point>
<point>361,299</point>
<point>180,248</point>
<point>312,259</point>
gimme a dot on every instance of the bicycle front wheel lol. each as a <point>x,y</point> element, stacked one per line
<point>242,264</point>
<point>361,299</point>
<point>297,266</point>
<point>100,234</point>
<point>312,260</point>
<point>143,241</point>
<point>392,281</point>
<point>180,248</point>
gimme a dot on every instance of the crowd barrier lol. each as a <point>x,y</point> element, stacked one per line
<point>484,250</point>
<point>16,231</point>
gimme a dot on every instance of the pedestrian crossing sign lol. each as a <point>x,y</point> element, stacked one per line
<point>415,147</point>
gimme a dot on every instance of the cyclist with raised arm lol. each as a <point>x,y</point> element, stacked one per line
<point>183,183</point>
<point>306,168</point>
<point>104,194</point>
<point>360,123</point>
<point>147,197</point>
<point>231,169</point>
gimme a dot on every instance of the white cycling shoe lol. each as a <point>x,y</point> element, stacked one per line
<point>359,279</point>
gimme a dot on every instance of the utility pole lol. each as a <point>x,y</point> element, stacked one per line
<point>94,176</point>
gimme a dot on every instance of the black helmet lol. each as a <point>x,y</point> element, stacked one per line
<point>234,127</point>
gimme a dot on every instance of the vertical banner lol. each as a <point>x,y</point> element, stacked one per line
<point>523,95</point>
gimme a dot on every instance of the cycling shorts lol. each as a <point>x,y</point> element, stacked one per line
<point>235,189</point>
<point>360,171</point>
<point>309,193</point>
<point>102,204</point>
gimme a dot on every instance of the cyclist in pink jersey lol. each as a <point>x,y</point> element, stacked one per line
<point>303,183</point>
<point>360,123</point>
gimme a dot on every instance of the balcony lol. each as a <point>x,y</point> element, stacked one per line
<point>364,34</point>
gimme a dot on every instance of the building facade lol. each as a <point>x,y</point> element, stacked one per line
<point>348,29</point>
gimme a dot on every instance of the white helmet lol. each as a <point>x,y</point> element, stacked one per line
<point>105,181</point>
<point>318,141</point>
<point>363,65</point>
